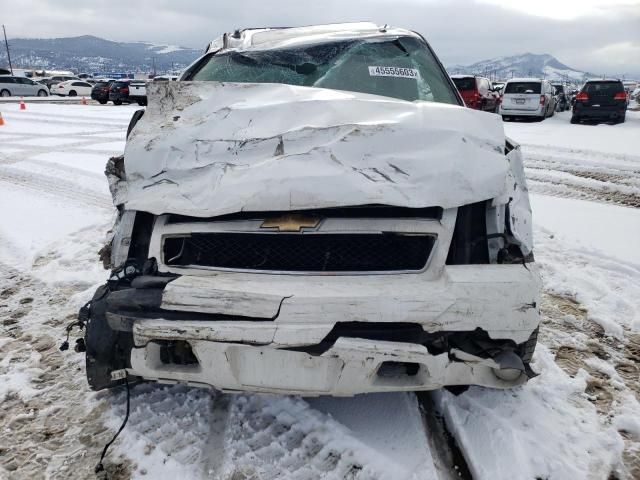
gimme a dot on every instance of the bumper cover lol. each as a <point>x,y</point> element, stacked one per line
<point>265,355</point>
<point>599,112</point>
<point>514,112</point>
<point>350,367</point>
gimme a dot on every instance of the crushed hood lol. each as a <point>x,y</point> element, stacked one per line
<point>206,148</point>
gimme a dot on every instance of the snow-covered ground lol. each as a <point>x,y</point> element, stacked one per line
<point>579,419</point>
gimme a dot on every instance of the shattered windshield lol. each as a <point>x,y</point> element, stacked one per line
<point>401,68</point>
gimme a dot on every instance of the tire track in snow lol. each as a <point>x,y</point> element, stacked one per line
<point>55,187</point>
<point>55,120</point>
<point>582,174</point>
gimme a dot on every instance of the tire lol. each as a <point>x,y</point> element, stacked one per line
<point>575,119</point>
<point>73,93</point>
<point>42,93</point>
<point>5,93</point>
<point>506,118</point>
<point>141,103</point>
<point>117,102</point>
<point>102,102</point>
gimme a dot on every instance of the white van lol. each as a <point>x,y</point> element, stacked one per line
<point>527,97</point>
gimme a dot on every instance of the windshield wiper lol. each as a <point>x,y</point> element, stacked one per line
<point>398,43</point>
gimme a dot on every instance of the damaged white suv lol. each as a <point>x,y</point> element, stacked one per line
<point>313,210</point>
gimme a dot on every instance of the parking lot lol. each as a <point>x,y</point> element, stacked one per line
<point>579,416</point>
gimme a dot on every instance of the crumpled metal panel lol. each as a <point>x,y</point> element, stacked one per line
<point>207,148</point>
<point>520,220</point>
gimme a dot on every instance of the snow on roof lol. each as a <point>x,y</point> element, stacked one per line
<point>267,38</point>
<point>602,80</point>
<point>524,79</point>
<point>462,75</point>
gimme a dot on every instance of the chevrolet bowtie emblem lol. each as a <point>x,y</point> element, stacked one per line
<point>293,222</point>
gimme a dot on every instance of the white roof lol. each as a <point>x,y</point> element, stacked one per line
<point>524,79</point>
<point>461,75</point>
<point>602,80</point>
<point>268,38</point>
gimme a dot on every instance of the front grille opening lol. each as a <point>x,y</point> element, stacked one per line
<point>361,211</point>
<point>176,352</point>
<point>299,252</point>
<point>398,369</point>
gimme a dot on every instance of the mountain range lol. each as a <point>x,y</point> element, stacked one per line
<point>526,65</point>
<point>92,54</point>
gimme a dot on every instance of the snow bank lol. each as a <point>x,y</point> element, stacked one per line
<point>546,429</point>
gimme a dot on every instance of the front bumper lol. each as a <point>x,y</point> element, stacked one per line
<point>264,336</point>
<point>350,367</point>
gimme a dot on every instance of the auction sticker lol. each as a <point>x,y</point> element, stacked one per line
<point>393,72</point>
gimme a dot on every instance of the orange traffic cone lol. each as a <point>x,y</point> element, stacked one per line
<point>84,101</point>
<point>1,120</point>
<point>23,105</point>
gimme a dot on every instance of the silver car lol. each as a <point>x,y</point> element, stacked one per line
<point>527,97</point>
<point>21,87</point>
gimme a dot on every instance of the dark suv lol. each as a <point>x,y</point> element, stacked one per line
<point>600,100</point>
<point>119,92</point>
<point>100,91</point>
<point>477,92</point>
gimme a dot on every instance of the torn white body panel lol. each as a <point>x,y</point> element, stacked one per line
<point>497,298</point>
<point>350,366</point>
<point>207,149</point>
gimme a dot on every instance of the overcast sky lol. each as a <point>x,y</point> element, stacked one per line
<point>600,36</point>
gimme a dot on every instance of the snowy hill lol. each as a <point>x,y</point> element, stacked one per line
<point>92,54</point>
<point>526,65</point>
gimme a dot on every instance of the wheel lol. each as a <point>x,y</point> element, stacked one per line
<point>575,119</point>
<point>117,102</point>
<point>73,93</point>
<point>5,93</point>
<point>102,102</point>
<point>141,103</point>
<point>506,118</point>
<point>621,119</point>
<point>42,93</point>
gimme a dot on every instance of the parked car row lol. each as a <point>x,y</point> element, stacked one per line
<point>480,94</point>
<point>101,90</point>
<point>119,92</point>
<point>597,100</point>
<point>124,91</point>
